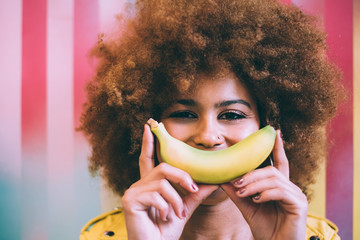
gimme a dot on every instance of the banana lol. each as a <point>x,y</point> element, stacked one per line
<point>215,167</point>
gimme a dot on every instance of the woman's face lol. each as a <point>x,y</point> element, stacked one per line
<point>217,114</point>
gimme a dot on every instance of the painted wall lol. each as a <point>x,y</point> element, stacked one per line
<point>46,191</point>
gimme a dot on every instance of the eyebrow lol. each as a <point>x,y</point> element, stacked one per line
<point>230,102</point>
<point>186,102</point>
<point>191,103</point>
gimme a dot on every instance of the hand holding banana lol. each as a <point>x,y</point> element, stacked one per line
<point>215,167</point>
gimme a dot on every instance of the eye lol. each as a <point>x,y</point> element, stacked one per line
<point>183,114</point>
<point>231,115</point>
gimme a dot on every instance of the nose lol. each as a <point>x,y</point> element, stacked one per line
<point>208,135</point>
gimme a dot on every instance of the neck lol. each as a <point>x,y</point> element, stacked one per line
<point>221,221</point>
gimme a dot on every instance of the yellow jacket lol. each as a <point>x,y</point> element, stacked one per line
<point>111,226</point>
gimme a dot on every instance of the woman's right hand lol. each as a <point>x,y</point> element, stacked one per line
<point>153,208</point>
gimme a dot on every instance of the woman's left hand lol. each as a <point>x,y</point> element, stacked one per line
<point>273,206</point>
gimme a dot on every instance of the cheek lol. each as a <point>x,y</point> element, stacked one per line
<point>248,131</point>
<point>179,131</point>
<point>239,133</point>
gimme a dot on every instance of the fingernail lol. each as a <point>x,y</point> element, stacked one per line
<point>241,190</point>
<point>238,182</point>
<point>183,214</point>
<point>194,187</point>
<point>256,196</point>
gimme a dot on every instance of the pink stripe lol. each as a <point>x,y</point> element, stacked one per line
<point>85,36</point>
<point>339,190</point>
<point>33,121</point>
<point>60,148</point>
<point>34,75</point>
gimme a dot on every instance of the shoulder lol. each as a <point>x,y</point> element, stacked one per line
<point>109,226</point>
<point>320,228</point>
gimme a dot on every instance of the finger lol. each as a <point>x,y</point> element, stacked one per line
<point>136,199</point>
<point>265,185</point>
<point>155,200</point>
<point>146,159</point>
<point>272,189</point>
<point>193,200</point>
<point>294,201</point>
<point>280,160</point>
<point>144,194</point>
<point>258,175</point>
<point>174,175</point>
<point>170,195</point>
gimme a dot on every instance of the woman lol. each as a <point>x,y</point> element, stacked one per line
<point>213,72</point>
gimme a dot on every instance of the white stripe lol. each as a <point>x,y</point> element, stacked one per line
<point>10,89</point>
<point>311,7</point>
<point>60,87</point>
<point>60,119</point>
<point>109,10</point>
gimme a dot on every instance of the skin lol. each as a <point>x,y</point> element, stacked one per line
<point>167,204</point>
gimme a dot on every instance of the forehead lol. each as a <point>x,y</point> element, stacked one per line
<point>219,86</point>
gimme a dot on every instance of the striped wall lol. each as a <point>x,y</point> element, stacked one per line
<point>356,117</point>
<point>46,191</point>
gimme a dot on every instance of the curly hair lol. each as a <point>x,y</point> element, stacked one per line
<point>278,51</point>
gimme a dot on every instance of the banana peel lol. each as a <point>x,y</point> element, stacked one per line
<point>215,167</point>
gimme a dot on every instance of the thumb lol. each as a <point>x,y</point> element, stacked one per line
<point>194,199</point>
<point>146,159</point>
<point>280,160</point>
